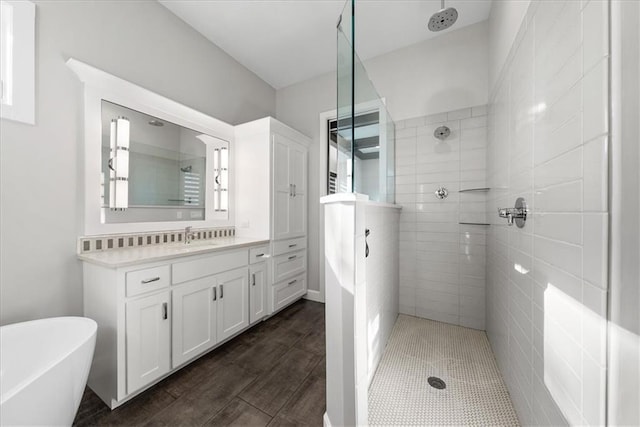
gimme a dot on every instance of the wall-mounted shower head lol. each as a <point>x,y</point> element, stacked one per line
<point>186,168</point>
<point>443,19</point>
<point>442,133</point>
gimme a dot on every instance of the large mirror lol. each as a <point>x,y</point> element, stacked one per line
<point>155,170</point>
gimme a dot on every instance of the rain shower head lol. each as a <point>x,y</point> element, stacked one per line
<point>442,133</point>
<point>443,19</point>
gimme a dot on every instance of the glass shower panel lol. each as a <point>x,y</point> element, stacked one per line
<point>344,181</point>
<point>366,132</point>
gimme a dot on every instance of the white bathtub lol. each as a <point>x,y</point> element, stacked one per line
<point>44,366</point>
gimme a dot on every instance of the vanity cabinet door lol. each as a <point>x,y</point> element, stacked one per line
<point>148,328</point>
<point>194,318</point>
<point>257,292</point>
<point>233,302</point>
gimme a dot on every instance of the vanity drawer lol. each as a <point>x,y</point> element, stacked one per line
<point>147,280</point>
<point>289,290</point>
<point>258,254</point>
<point>288,265</point>
<point>290,245</point>
<point>197,268</point>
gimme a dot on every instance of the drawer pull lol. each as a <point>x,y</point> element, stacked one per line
<point>293,256</point>
<point>293,246</point>
<point>293,281</point>
<point>165,311</point>
<point>259,255</point>
<point>145,281</point>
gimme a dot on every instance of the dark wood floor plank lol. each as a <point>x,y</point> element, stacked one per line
<point>137,411</point>
<point>282,421</point>
<point>91,407</point>
<point>313,342</point>
<point>261,356</point>
<point>307,405</point>
<point>273,388</point>
<point>198,405</point>
<point>321,369</point>
<point>240,413</point>
<point>193,374</point>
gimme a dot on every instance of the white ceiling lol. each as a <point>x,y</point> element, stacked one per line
<point>288,41</point>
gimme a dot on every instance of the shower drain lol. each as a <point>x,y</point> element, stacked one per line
<point>436,382</point>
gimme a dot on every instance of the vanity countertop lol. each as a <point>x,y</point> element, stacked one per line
<point>133,256</point>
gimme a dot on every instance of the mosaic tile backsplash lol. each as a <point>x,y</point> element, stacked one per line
<point>88,244</point>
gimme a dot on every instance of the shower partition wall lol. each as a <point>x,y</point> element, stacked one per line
<point>361,243</point>
<point>366,132</point>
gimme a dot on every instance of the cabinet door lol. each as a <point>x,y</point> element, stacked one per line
<point>233,302</point>
<point>148,326</point>
<point>298,203</point>
<point>282,188</point>
<point>194,319</point>
<point>257,292</point>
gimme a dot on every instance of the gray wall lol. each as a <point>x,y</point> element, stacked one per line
<point>41,189</point>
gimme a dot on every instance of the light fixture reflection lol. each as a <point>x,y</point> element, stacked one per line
<point>119,164</point>
<point>221,184</point>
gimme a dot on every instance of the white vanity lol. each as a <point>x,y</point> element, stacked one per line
<point>157,312</point>
<point>157,175</point>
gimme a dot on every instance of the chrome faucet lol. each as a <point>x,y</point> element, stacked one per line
<point>188,235</point>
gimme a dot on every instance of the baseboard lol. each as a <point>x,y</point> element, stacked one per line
<point>314,296</point>
<point>325,420</point>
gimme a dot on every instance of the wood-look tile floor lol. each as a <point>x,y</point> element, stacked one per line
<point>273,374</point>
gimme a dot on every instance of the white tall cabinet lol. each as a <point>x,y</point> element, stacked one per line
<point>289,187</point>
<point>271,175</point>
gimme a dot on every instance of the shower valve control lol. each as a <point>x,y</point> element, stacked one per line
<point>517,214</point>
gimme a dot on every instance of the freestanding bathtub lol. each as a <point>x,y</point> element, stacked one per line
<point>44,366</point>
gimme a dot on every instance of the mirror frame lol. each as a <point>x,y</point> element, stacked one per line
<point>99,85</point>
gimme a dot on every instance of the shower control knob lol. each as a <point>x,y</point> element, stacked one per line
<point>517,214</point>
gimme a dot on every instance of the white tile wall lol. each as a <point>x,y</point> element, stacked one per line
<point>381,278</point>
<point>546,283</point>
<point>442,262</point>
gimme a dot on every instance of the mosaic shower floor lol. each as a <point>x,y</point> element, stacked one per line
<point>418,349</point>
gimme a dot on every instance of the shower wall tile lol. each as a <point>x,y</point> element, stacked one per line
<point>546,284</point>
<point>442,262</point>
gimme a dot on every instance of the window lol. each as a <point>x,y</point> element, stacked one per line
<point>17,60</point>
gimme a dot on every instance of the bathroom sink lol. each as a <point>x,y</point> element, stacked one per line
<point>195,245</point>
